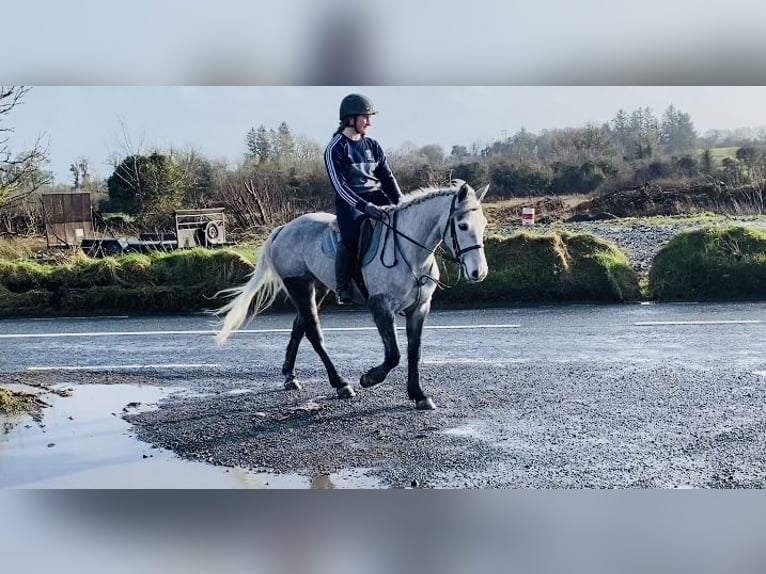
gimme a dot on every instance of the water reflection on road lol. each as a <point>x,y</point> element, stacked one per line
<point>83,442</point>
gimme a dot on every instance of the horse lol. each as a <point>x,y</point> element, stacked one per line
<point>400,279</point>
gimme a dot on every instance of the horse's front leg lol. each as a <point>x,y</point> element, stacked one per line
<point>415,322</point>
<point>384,321</point>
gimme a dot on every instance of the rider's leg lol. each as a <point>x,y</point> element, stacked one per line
<point>349,223</point>
<point>344,259</point>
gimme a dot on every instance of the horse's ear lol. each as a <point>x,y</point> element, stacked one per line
<point>482,192</point>
<point>457,182</point>
<point>463,192</point>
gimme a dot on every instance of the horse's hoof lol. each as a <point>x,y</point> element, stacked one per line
<point>425,404</point>
<point>292,384</point>
<point>346,392</point>
<point>367,381</point>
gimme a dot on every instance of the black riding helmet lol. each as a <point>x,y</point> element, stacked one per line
<point>356,105</point>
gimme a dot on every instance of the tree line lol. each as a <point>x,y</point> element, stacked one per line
<point>282,174</point>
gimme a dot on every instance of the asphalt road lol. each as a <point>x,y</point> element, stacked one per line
<point>658,396</point>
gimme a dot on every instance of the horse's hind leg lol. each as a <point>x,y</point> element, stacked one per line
<point>288,368</point>
<point>384,321</point>
<point>302,291</point>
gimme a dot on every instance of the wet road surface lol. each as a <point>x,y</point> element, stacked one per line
<point>658,396</point>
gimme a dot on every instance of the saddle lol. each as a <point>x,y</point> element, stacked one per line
<point>369,238</point>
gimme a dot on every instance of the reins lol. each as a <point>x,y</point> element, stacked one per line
<point>391,228</point>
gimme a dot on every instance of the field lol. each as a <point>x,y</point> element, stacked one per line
<point>719,153</point>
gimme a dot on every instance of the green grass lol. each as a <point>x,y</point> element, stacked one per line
<point>714,263</point>
<point>719,153</point>
<point>160,282</point>
<point>527,267</point>
<point>523,267</point>
<point>21,276</point>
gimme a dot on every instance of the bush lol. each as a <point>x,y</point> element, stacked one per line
<point>556,267</point>
<point>518,179</point>
<point>33,301</point>
<point>21,276</point>
<point>161,282</point>
<point>716,263</point>
<point>569,179</point>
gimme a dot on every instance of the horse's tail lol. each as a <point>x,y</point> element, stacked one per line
<point>264,285</point>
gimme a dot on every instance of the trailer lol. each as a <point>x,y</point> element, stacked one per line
<point>69,223</point>
<point>201,227</point>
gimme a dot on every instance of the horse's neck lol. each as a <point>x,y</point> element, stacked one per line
<point>424,222</point>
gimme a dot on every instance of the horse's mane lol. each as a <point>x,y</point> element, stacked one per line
<point>423,194</point>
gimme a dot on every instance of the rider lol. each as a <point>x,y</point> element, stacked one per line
<point>362,180</point>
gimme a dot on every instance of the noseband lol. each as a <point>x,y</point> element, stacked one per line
<point>457,252</point>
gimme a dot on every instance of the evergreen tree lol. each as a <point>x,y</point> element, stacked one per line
<point>677,132</point>
<point>622,131</point>
<point>251,141</point>
<point>146,186</point>
<point>284,142</point>
<point>262,145</point>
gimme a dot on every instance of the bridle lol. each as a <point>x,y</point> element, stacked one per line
<point>457,252</point>
<point>456,256</point>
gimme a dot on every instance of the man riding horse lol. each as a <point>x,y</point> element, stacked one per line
<point>362,180</point>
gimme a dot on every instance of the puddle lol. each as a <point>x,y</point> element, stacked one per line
<point>83,442</point>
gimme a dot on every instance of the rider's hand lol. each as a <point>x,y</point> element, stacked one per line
<point>374,211</point>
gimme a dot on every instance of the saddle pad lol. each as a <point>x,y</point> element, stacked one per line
<point>331,238</point>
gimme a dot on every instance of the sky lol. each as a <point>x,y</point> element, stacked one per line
<point>104,122</point>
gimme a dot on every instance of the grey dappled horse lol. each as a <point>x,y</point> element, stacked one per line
<point>400,279</point>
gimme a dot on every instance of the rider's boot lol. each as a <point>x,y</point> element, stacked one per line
<point>343,271</point>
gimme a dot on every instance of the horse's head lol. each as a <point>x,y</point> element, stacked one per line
<point>464,232</point>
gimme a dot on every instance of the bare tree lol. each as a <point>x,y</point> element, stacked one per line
<point>255,200</point>
<point>80,170</point>
<point>75,176</point>
<point>20,174</point>
<point>307,150</point>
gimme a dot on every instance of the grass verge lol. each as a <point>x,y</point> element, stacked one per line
<point>714,263</point>
<point>178,281</point>
<point>526,268</point>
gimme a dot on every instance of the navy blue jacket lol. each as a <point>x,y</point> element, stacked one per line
<point>359,171</point>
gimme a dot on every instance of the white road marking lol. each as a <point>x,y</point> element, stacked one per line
<point>125,367</point>
<point>671,323</point>
<point>115,334</point>
<point>213,332</point>
<point>78,318</point>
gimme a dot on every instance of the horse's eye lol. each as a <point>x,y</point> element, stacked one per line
<point>462,226</point>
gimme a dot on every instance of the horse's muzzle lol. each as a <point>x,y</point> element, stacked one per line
<point>476,275</point>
